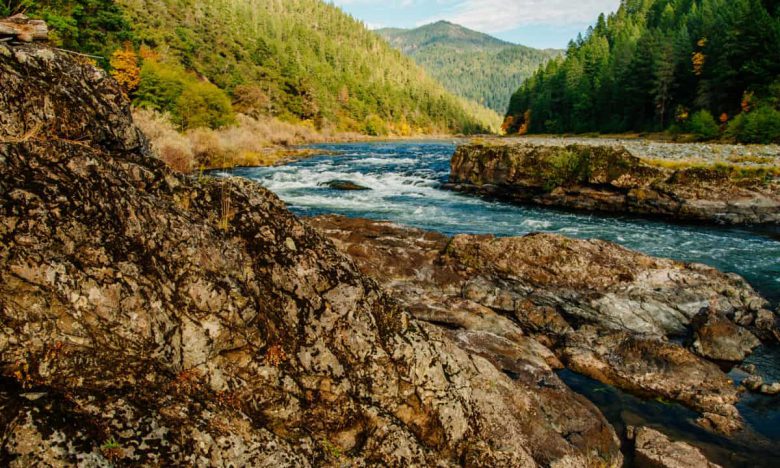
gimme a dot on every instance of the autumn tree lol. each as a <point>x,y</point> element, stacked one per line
<point>125,69</point>
<point>251,100</point>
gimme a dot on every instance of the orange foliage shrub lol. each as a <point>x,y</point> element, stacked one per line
<point>508,122</point>
<point>125,68</point>
<point>747,101</point>
<point>526,123</point>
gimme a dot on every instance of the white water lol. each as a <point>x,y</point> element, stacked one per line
<point>405,181</point>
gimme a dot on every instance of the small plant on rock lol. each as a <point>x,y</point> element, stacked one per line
<point>112,450</point>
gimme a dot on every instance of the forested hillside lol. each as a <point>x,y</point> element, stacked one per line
<point>300,60</point>
<point>710,67</point>
<point>470,64</point>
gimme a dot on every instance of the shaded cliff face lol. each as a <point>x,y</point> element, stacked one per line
<point>149,318</point>
<point>611,179</point>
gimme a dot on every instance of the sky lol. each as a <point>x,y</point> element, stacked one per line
<point>535,23</point>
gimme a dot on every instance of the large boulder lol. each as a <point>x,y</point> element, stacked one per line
<point>718,338</point>
<point>154,319</point>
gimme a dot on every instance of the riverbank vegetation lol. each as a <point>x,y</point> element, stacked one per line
<point>249,141</point>
<point>707,67</point>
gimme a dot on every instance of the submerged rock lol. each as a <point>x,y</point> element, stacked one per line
<point>346,185</point>
<point>604,311</point>
<point>154,319</point>
<point>753,382</point>
<point>654,450</point>
<point>610,178</point>
<point>771,389</point>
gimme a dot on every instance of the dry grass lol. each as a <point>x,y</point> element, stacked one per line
<point>251,142</point>
<point>753,159</point>
<point>733,170</point>
<point>171,146</point>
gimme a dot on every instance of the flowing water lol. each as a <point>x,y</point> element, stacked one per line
<point>405,180</point>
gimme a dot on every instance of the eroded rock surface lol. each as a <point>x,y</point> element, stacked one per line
<point>604,311</point>
<point>718,338</point>
<point>612,179</point>
<point>152,319</point>
<point>654,450</point>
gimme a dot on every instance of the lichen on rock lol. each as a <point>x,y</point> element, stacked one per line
<point>542,301</point>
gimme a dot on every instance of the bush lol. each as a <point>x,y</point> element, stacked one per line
<point>760,126</point>
<point>202,104</point>
<point>703,125</point>
<point>169,145</point>
<point>375,126</point>
<point>167,87</point>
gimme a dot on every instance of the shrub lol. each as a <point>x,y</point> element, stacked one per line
<point>169,145</point>
<point>703,125</point>
<point>251,100</point>
<point>167,87</point>
<point>202,104</point>
<point>759,126</point>
<point>375,126</point>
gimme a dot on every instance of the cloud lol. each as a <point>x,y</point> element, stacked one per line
<point>505,15</point>
<point>495,15</point>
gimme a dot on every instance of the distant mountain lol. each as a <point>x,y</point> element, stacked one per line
<point>471,64</point>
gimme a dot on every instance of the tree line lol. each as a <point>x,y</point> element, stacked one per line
<point>708,67</point>
<point>302,61</point>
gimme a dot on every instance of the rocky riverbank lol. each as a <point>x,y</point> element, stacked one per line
<point>680,182</point>
<point>153,319</point>
<point>150,318</point>
<point>544,301</point>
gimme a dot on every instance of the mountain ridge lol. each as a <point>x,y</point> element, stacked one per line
<point>474,65</point>
<point>304,61</point>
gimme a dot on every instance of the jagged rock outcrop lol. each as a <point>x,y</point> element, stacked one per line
<point>603,310</point>
<point>21,28</point>
<point>154,319</point>
<point>654,450</point>
<point>611,179</point>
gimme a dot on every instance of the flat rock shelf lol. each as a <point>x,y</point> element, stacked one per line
<point>685,182</point>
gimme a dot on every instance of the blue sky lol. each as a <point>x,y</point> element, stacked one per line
<point>537,23</point>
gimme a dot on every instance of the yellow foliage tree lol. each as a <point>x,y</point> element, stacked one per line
<point>699,59</point>
<point>403,128</point>
<point>126,71</point>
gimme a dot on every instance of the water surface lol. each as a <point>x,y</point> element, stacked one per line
<point>405,181</point>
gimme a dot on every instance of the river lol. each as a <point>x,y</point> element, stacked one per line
<point>405,180</point>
